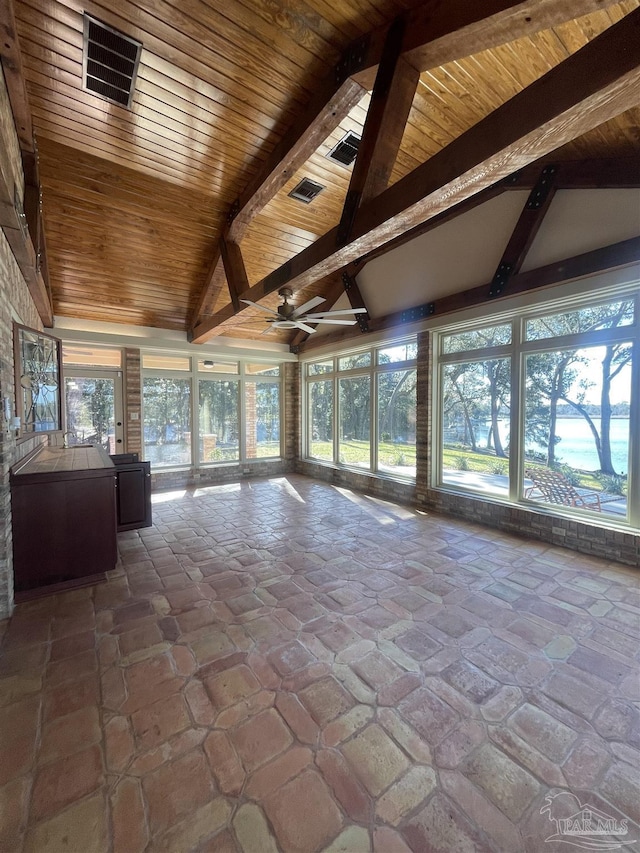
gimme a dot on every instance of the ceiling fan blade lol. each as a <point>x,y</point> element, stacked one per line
<point>303,327</point>
<point>307,305</point>
<point>343,311</point>
<point>331,322</point>
<point>261,307</point>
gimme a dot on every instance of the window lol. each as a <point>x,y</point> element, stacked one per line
<point>234,415</point>
<point>167,420</point>
<point>564,438</point>
<point>355,421</point>
<point>321,419</point>
<point>397,422</point>
<point>368,400</point>
<point>262,416</point>
<point>219,421</point>
<point>475,406</point>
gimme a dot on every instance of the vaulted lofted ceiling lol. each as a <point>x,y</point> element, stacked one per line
<point>167,213</point>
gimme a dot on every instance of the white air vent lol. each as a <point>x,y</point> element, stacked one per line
<point>306,191</point>
<point>110,62</point>
<point>346,150</point>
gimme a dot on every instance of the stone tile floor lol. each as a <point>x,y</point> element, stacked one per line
<point>282,665</point>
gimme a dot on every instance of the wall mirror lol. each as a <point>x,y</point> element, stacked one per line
<point>37,365</point>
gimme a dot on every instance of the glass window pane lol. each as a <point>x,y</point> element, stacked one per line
<point>262,406</point>
<point>402,352</point>
<point>475,402</point>
<point>321,420</point>
<point>166,362</point>
<point>218,419</point>
<point>167,420</point>
<point>477,339</point>
<point>349,361</point>
<point>263,369</point>
<point>93,356</point>
<point>90,411</point>
<point>584,320</point>
<point>355,421</point>
<point>209,365</point>
<point>577,427</point>
<point>320,367</point>
<point>397,422</point>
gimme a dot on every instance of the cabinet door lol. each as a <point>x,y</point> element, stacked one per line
<point>134,495</point>
<point>63,530</point>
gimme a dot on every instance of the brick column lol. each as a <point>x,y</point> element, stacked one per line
<point>423,415</point>
<point>250,420</point>
<point>132,382</point>
<point>292,426</point>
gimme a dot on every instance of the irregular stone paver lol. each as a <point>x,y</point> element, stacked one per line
<point>286,668</point>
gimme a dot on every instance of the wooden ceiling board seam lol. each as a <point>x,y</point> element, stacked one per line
<point>158,155</point>
<point>184,175</point>
<point>85,201</point>
<point>126,180</point>
<point>303,26</point>
<point>129,291</point>
<point>153,142</point>
<point>266,35</point>
<point>189,261</point>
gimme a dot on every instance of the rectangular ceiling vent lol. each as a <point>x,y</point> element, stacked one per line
<point>110,62</point>
<point>306,191</point>
<point>346,150</point>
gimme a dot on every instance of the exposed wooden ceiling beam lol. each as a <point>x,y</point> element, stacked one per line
<point>234,270</point>
<point>14,77</point>
<point>618,173</point>
<point>435,33</point>
<point>526,228</point>
<point>622,254</point>
<point>593,85</point>
<point>391,99</point>
<point>331,103</point>
<point>438,32</point>
<point>393,93</point>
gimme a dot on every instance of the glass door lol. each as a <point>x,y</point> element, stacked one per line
<point>93,408</point>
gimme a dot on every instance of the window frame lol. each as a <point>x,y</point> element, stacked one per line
<point>518,350</point>
<point>194,374</point>
<point>373,370</point>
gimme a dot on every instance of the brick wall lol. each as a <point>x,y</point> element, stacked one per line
<point>15,302</point>
<point>15,305</point>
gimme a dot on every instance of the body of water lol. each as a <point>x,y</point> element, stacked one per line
<point>577,446</point>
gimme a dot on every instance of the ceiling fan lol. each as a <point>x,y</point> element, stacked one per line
<point>289,317</point>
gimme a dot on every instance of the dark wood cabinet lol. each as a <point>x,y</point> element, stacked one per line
<point>63,506</point>
<point>133,494</point>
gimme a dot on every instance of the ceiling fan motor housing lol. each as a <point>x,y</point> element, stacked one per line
<point>286,309</point>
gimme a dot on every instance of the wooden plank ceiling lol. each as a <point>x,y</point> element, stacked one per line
<point>135,200</point>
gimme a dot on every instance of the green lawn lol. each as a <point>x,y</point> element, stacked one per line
<point>354,452</point>
<point>461,459</point>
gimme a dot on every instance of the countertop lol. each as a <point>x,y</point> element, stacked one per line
<point>49,463</point>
